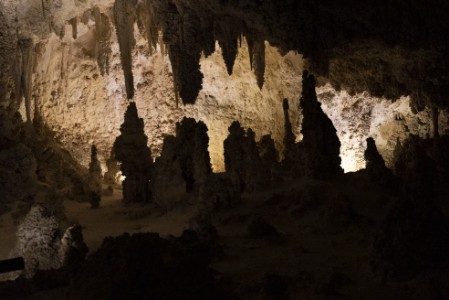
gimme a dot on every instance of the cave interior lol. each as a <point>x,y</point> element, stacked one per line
<point>224,149</point>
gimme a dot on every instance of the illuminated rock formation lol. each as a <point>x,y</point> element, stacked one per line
<point>136,163</point>
<point>113,166</point>
<point>320,146</point>
<point>38,241</point>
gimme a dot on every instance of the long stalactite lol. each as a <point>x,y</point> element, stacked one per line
<point>124,16</point>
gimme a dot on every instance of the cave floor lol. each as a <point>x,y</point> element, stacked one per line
<point>323,249</point>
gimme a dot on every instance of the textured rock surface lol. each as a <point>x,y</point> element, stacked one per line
<point>370,50</point>
<point>84,107</point>
<point>38,241</point>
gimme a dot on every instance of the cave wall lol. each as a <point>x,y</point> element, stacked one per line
<point>385,48</point>
<point>85,107</point>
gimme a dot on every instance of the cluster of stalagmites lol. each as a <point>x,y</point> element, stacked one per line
<point>183,170</point>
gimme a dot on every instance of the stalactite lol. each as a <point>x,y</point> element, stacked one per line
<point>227,34</point>
<point>103,31</point>
<point>256,51</point>
<point>147,25</point>
<point>74,23</point>
<point>26,78</point>
<point>208,42</point>
<point>250,41</point>
<point>259,62</point>
<point>124,16</point>
<point>188,79</point>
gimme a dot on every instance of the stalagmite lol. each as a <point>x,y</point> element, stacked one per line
<point>95,178</point>
<point>124,16</point>
<point>103,31</point>
<point>234,155</point>
<point>267,151</point>
<point>289,137</point>
<point>131,150</point>
<point>184,164</point>
<point>375,164</point>
<point>320,147</point>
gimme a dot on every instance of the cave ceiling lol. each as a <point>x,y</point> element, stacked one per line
<point>386,48</point>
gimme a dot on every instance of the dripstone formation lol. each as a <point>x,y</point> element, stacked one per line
<point>184,163</point>
<point>136,163</point>
<point>320,148</point>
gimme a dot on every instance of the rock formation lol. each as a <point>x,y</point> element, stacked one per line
<point>111,175</point>
<point>184,164</point>
<point>375,164</point>
<point>234,155</point>
<point>73,250</point>
<point>290,151</point>
<point>242,160</point>
<point>38,241</point>
<point>132,151</point>
<point>95,179</point>
<point>267,151</point>
<point>320,147</point>
<point>124,16</point>
<point>103,30</point>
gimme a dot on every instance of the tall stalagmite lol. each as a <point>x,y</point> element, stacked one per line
<point>132,151</point>
<point>320,147</point>
<point>289,136</point>
<point>124,16</point>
